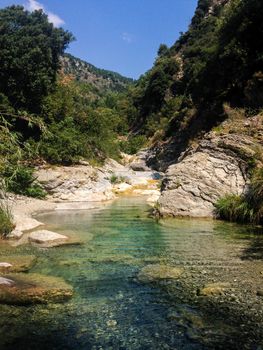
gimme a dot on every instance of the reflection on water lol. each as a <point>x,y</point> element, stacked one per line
<point>112,310</point>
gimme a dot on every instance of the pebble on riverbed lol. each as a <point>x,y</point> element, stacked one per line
<point>111,323</point>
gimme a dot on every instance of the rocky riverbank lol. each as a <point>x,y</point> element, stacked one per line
<point>80,187</point>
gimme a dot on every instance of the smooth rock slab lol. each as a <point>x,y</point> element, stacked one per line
<point>27,289</point>
<point>156,272</point>
<point>47,238</point>
<point>20,263</point>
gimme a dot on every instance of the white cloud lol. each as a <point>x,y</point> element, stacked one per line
<point>56,20</point>
<point>33,5</point>
<point>127,37</point>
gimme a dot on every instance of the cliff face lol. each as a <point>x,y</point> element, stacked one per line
<point>217,165</point>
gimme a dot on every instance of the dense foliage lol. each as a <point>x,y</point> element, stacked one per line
<point>219,59</point>
<point>29,56</point>
<point>6,219</point>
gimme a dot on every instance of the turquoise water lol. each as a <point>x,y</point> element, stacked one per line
<point>111,309</point>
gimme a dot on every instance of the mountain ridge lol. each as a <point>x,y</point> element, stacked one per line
<point>86,72</point>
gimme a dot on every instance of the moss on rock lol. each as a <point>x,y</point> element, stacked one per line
<point>19,263</point>
<point>28,289</point>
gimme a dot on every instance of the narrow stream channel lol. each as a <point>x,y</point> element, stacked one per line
<point>111,309</point>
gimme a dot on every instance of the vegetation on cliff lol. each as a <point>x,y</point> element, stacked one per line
<point>102,79</point>
<point>214,69</point>
<point>218,60</point>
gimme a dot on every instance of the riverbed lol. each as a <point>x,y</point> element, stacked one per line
<point>112,309</point>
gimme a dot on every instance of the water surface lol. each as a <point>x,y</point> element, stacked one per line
<point>112,310</point>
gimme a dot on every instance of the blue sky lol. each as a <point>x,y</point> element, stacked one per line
<point>120,35</point>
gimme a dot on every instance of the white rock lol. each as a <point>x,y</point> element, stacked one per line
<point>16,234</point>
<point>24,223</point>
<point>6,281</point>
<point>153,198</point>
<point>45,236</point>
<point>122,187</point>
<point>193,185</point>
<point>5,264</point>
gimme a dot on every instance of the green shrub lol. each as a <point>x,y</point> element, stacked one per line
<point>63,144</point>
<point>21,180</point>
<point>133,144</point>
<point>6,217</point>
<point>226,207</point>
<point>115,179</point>
<point>247,208</point>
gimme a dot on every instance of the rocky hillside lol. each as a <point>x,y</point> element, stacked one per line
<point>87,73</point>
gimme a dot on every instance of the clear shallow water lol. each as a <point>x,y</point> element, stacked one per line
<point>112,310</point>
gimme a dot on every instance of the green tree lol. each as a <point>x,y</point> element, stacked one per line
<point>30,48</point>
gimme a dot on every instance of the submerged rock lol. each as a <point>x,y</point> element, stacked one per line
<point>214,289</point>
<point>20,263</point>
<point>26,289</point>
<point>156,272</point>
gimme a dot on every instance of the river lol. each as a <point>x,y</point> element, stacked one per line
<point>112,309</point>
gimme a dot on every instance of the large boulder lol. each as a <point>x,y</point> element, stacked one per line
<point>192,186</point>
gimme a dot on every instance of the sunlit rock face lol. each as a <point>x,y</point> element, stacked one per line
<point>192,186</point>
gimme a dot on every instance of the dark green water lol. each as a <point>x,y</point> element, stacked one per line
<point>112,310</point>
